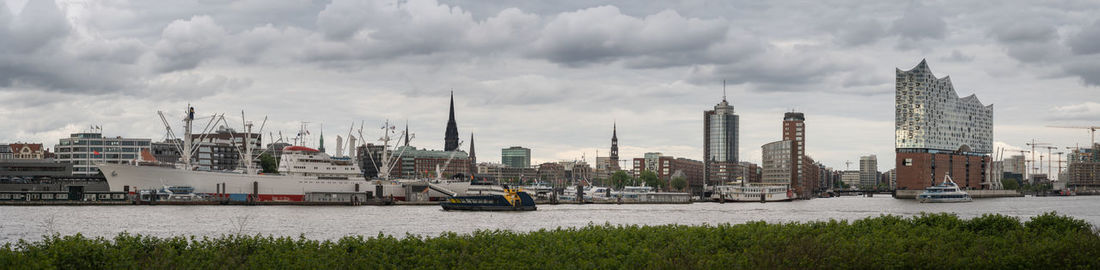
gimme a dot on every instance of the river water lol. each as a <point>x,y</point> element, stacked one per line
<point>331,222</point>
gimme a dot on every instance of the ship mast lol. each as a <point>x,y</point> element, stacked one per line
<point>387,164</point>
<point>246,157</point>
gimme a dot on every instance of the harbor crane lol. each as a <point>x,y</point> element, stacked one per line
<point>1092,132</point>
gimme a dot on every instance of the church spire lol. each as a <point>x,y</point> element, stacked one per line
<point>322,145</point>
<point>614,158</point>
<point>450,140</point>
<point>406,132</point>
<point>473,156</point>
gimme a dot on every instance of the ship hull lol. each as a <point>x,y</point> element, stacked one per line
<point>489,203</point>
<point>753,194</point>
<point>129,178</point>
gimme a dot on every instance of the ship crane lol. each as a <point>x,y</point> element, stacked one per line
<point>439,170</point>
<point>1092,132</point>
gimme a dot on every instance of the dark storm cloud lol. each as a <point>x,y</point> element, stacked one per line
<point>186,43</point>
<point>604,34</point>
<point>37,50</point>
<point>1086,67</point>
<point>957,56</point>
<point>920,22</point>
<point>1087,41</point>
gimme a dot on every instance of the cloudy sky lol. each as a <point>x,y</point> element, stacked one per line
<point>549,75</point>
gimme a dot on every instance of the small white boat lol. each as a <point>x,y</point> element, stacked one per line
<point>946,192</point>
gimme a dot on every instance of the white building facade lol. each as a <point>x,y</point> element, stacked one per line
<point>83,150</point>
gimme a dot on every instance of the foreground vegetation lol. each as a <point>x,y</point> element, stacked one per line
<point>926,241</point>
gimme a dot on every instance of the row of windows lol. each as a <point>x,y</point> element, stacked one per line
<point>101,142</point>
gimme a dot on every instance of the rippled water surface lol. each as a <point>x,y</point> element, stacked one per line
<point>329,222</point>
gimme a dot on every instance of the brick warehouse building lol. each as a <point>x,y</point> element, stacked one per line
<point>939,134</point>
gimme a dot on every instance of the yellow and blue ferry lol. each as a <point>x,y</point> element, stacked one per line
<point>491,198</point>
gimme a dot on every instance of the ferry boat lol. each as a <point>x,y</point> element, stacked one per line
<point>491,198</point>
<point>302,170</point>
<point>753,193</point>
<point>591,194</point>
<point>946,192</point>
<point>539,190</point>
<point>647,194</point>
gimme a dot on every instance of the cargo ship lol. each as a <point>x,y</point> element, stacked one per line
<point>302,171</point>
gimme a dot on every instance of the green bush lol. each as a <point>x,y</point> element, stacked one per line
<point>924,241</point>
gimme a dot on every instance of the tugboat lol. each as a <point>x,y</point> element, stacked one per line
<point>947,192</point>
<point>491,198</point>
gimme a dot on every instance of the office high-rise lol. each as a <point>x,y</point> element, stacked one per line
<point>516,157</point>
<point>868,171</point>
<point>720,146</point>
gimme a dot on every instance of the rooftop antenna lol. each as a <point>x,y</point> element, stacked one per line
<point>723,89</point>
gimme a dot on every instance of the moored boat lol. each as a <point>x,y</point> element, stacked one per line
<point>491,198</point>
<point>946,192</point>
<point>753,193</point>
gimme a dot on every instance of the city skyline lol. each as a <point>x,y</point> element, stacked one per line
<point>115,66</point>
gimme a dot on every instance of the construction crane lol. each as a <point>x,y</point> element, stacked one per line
<point>1059,165</point>
<point>1050,159</point>
<point>1033,144</point>
<point>1092,132</point>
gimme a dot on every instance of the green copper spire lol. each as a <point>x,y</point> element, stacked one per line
<point>322,145</point>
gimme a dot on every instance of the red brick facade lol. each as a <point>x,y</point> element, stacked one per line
<point>919,170</point>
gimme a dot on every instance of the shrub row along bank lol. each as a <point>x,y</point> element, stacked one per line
<point>926,241</point>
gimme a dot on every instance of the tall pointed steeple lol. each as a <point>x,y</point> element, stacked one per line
<point>614,147</point>
<point>406,132</point>
<point>473,156</point>
<point>321,147</point>
<point>450,139</point>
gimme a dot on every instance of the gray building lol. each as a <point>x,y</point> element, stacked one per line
<point>868,171</point>
<point>850,178</point>
<point>777,162</point>
<point>5,152</point>
<point>221,150</point>
<point>516,157</point>
<point>82,150</point>
<point>166,151</point>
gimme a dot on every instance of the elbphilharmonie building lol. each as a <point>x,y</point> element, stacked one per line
<point>930,115</point>
<point>938,134</point>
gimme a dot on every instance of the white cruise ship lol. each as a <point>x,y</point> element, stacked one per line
<point>302,170</point>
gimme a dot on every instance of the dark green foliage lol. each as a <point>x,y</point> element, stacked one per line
<point>1047,241</point>
<point>268,163</point>
<point>620,179</point>
<point>650,179</point>
<point>1010,184</point>
<point>679,183</point>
